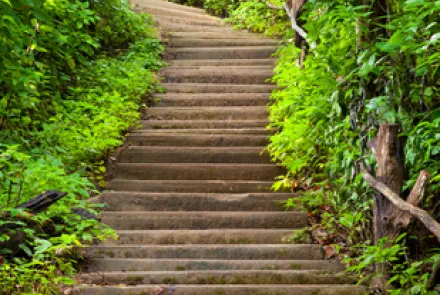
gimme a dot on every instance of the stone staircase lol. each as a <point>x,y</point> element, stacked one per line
<point>191,197</point>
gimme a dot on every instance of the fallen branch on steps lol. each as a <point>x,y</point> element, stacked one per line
<point>405,207</point>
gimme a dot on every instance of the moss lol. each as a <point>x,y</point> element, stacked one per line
<point>169,280</point>
<point>180,268</point>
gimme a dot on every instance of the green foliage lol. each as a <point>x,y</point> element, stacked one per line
<point>410,277</point>
<point>73,76</point>
<point>257,17</point>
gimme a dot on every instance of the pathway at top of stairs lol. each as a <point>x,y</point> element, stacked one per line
<point>191,197</point>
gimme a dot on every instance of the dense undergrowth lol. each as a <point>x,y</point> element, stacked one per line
<point>362,72</point>
<point>73,75</point>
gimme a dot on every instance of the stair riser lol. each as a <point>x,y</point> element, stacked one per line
<point>188,140</point>
<point>172,27</point>
<point>212,102</point>
<point>165,237</point>
<point>213,88</point>
<point>216,124</point>
<point>169,12</point>
<point>250,113</point>
<point>155,155</point>
<point>219,278</point>
<point>125,222</point>
<point>239,35</point>
<point>221,62</point>
<point>170,5</point>
<point>179,264</point>
<point>195,172</point>
<point>219,42</point>
<point>226,53</point>
<point>186,21</point>
<point>235,290</point>
<point>126,201</point>
<point>256,76</point>
<point>304,252</point>
<point>189,187</point>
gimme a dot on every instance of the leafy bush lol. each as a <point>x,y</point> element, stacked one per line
<point>73,76</point>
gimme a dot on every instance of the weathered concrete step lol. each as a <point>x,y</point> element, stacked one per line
<point>173,27</point>
<point>136,154</point>
<point>141,264</point>
<point>217,88</point>
<point>142,201</point>
<point>249,52</point>
<point>240,252</point>
<point>227,289</point>
<point>213,100</point>
<point>187,21</point>
<point>170,11</point>
<point>169,139</point>
<point>170,5</point>
<point>189,171</point>
<point>219,277</point>
<point>212,35</point>
<point>212,236</point>
<point>223,75</point>
<point>207,113</point>
<point>203,124</point>
<point>221,62</point>
<point>135,220</point>
<point>187,42</point>
<point>245,131</point>
<point>190,186</point>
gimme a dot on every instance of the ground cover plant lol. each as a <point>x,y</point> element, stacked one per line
<point>73,76</point>
<point>367,63</point>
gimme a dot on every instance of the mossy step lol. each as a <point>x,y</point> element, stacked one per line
<point>198,171</point>
<point>239,252</point>
<point>141,201</point>
<point>142,264</point>
<point>174,139</point>
<point>190,186</point>
<point>223,75</point>
<point>237,52</point>
<point>217,88</point>
<point>193,42</point>
<point>172,154</point>
<point>203,124</point>
<point>207,113</point>
<point>207,236</point>
<point>148,220</point>
<point>226,290</point>
<point>216,277</point>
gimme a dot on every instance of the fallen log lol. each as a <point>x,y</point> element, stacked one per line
<point>41,202</point>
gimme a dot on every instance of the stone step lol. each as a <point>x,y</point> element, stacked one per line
<point>220,62</point>
<point>142,264</point>
<point>300,289</point>
<point>136,220</point>
<point>211,236</point>
<point>142,201</point>
<point>223,75</point>
<point>212,99</point>
<point>207,113</point>
<point>244,131</point>
<point>176,27</point>
<point>238,252</point>
<point>216,277</point>
<point>188,21</point>
<point>136,154</point>
<point>217,88</point>
<point>190,186</point>
<point>170,5</point>
<point>170,139</point>
<point>203,124</point>
<point>190,171</point>
<point>249,52</point>
<point>170,11</point>
<point>212,35</point>
<point>187,42</point>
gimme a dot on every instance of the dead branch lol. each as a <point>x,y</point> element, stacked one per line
<point>273,6</point>
<point>395,199</point>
